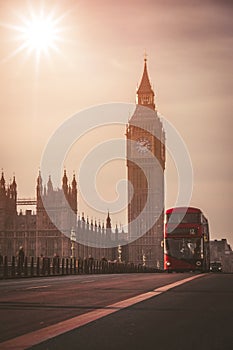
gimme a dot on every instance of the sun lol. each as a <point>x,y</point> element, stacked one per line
<point>40,34</point>
<point>37,34</point>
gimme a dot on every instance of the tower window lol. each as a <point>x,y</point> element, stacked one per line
<point>145,99</point>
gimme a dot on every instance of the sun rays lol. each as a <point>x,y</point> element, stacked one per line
<point>36,35</point>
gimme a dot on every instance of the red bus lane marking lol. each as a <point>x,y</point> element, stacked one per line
<point>27,340</point>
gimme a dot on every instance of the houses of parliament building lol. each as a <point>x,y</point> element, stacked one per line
<point>38,234</point>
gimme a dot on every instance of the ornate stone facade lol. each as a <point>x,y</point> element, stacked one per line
<point>39,234</point>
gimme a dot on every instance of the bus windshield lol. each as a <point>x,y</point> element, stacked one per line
<point>184,248</point>
<point>176,218</point>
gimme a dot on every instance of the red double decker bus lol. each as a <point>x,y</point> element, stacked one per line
<point>186,240</point>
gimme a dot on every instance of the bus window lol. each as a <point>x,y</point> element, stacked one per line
<point>177,218</point>
<point>184,248</point>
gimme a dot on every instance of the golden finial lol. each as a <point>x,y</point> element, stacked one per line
<point>145,55</point>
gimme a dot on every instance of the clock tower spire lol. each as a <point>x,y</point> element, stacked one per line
<point>145,93</point>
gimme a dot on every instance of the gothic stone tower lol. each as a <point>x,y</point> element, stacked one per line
<point>8,218</point>
<point>145,164</point>
<point>60,205</point>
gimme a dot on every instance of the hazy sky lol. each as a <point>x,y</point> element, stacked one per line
<point>99,59</point>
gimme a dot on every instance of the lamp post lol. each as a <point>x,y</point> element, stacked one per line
<point>143,259</point>
<point>73,240</point>
<point>119,250</point>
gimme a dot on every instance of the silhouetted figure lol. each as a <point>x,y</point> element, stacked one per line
<point>90,263</point>
<point>104,262</point>
<point>55,262</point>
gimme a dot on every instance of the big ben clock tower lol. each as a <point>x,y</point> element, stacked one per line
<point>145,164</point>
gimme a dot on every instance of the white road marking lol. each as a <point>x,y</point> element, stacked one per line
<point>37,287</point>
<point>87,281</point>
<point>27,340</point>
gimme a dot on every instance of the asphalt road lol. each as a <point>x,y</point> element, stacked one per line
<point>195,315</point>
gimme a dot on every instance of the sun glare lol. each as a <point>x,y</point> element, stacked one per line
<point>38,34</point>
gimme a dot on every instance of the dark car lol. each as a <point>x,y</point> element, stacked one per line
<point>216,266</point>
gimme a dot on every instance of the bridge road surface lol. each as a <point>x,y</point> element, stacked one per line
<point>197,314</point>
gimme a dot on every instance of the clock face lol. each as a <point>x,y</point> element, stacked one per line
<point>143,145</point>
